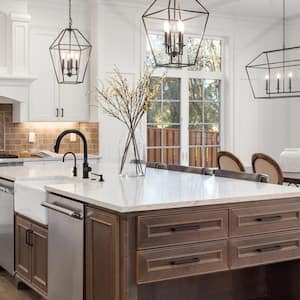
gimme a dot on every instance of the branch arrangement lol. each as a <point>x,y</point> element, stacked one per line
<point>128,105</point>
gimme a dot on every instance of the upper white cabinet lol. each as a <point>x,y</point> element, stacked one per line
<point>50,101</point>
<point>44,91</point>
<point>73,103</point>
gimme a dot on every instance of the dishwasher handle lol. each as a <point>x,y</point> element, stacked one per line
<point>65,211</point>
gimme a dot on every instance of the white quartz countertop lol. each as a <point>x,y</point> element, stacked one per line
<point>159,189</point>
<point>162,189</point>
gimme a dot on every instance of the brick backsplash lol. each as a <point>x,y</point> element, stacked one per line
<point>14,136</point>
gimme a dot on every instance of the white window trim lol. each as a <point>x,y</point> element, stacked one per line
<point>185,74</point>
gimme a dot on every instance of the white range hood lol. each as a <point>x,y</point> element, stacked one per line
<point>15,79</point>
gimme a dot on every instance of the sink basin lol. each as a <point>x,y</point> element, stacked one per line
<point>30,193</point>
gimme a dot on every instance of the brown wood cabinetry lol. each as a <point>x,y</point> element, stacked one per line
<point>165,254</point>
<point>181,261</point>
<point>175,229</point>
<point>32,254</point>
<point>23,248</point>
<point>102,255</point>
<point>259,219</point>
<point>265,249</point>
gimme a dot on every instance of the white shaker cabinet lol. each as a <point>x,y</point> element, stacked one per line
<point>73,102</point>
<point>49,101</point>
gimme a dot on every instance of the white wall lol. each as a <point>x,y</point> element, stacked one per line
<point>293,39</point>
<point>259,125</point>
<point>118,44</point>
<point>249,126</point>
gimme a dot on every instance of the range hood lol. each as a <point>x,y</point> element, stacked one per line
<point>14,88</point>
<point>15,79</point>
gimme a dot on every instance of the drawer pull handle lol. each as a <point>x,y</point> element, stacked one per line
<point>184,261</point>
<point>268,219</point>
<point>185,228</point>
<point>29,237</point>
<point>268,249</point>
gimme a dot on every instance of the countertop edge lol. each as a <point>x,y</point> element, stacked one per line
<point>178,205</point>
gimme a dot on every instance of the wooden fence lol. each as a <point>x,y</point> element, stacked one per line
<point>200,155</point>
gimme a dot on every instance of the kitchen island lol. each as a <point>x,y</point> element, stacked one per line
<point>176,235</point>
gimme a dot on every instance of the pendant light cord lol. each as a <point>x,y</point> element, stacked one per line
<point>70,14</point>
<point>284,25</point>
<point>284,39</point>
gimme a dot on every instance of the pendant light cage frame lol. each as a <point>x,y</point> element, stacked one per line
<point>192,14</point>
<point>275,74</point>
<point>70,54</point>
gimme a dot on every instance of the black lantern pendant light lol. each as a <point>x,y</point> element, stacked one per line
<point>70,53</point>
<point>275,74</point>
<point>173,49</point>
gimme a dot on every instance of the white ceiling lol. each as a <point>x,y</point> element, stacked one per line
<point>245,8</point>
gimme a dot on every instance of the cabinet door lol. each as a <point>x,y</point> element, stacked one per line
<point>102,255</point>
<point>39,272</point>
<point>23,248</point>
<point>43,104</point>
<point>74,103</point>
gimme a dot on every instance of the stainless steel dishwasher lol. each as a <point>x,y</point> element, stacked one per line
<point>7,249</point>
<point>65,248</point>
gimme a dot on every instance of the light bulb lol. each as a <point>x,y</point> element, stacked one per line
<point>63,55</point>
<point>167,27</point>
<point>69,56</point>
<point>278,76</point>
<point>267,77</point>
<point>180,26</point>
<point>290,75</point>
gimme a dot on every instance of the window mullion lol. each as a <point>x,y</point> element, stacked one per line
<point>184,129</point>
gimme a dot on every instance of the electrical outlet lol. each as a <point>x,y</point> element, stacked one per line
<point>32,137</point>
<point>73,137</point>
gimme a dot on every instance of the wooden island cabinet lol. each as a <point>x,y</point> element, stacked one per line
<point>237,251</point>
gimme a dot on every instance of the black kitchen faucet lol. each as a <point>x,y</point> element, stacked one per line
<point>86,167</point>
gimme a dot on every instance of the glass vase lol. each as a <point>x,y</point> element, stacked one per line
<point>133,155</point>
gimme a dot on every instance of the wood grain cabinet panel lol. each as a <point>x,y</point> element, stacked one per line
<point>102,255</point>
<point>181,261</point>
<point>264,249</point>
<point>176,229</point>
<point>39,276</point>
<point>31,254</point>
<point>23,248</point>
<point>264,219</point>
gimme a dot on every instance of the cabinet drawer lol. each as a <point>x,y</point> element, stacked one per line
<point>265,249</point>
<point>264,219</point>
<point>174,229</point>
<point>181,261</point>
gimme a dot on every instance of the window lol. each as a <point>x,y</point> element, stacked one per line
<point>163,130</point>
<point>184,121</point>
<point>204,120</point>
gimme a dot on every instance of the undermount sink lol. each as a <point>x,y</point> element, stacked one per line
<point>30,193</point>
